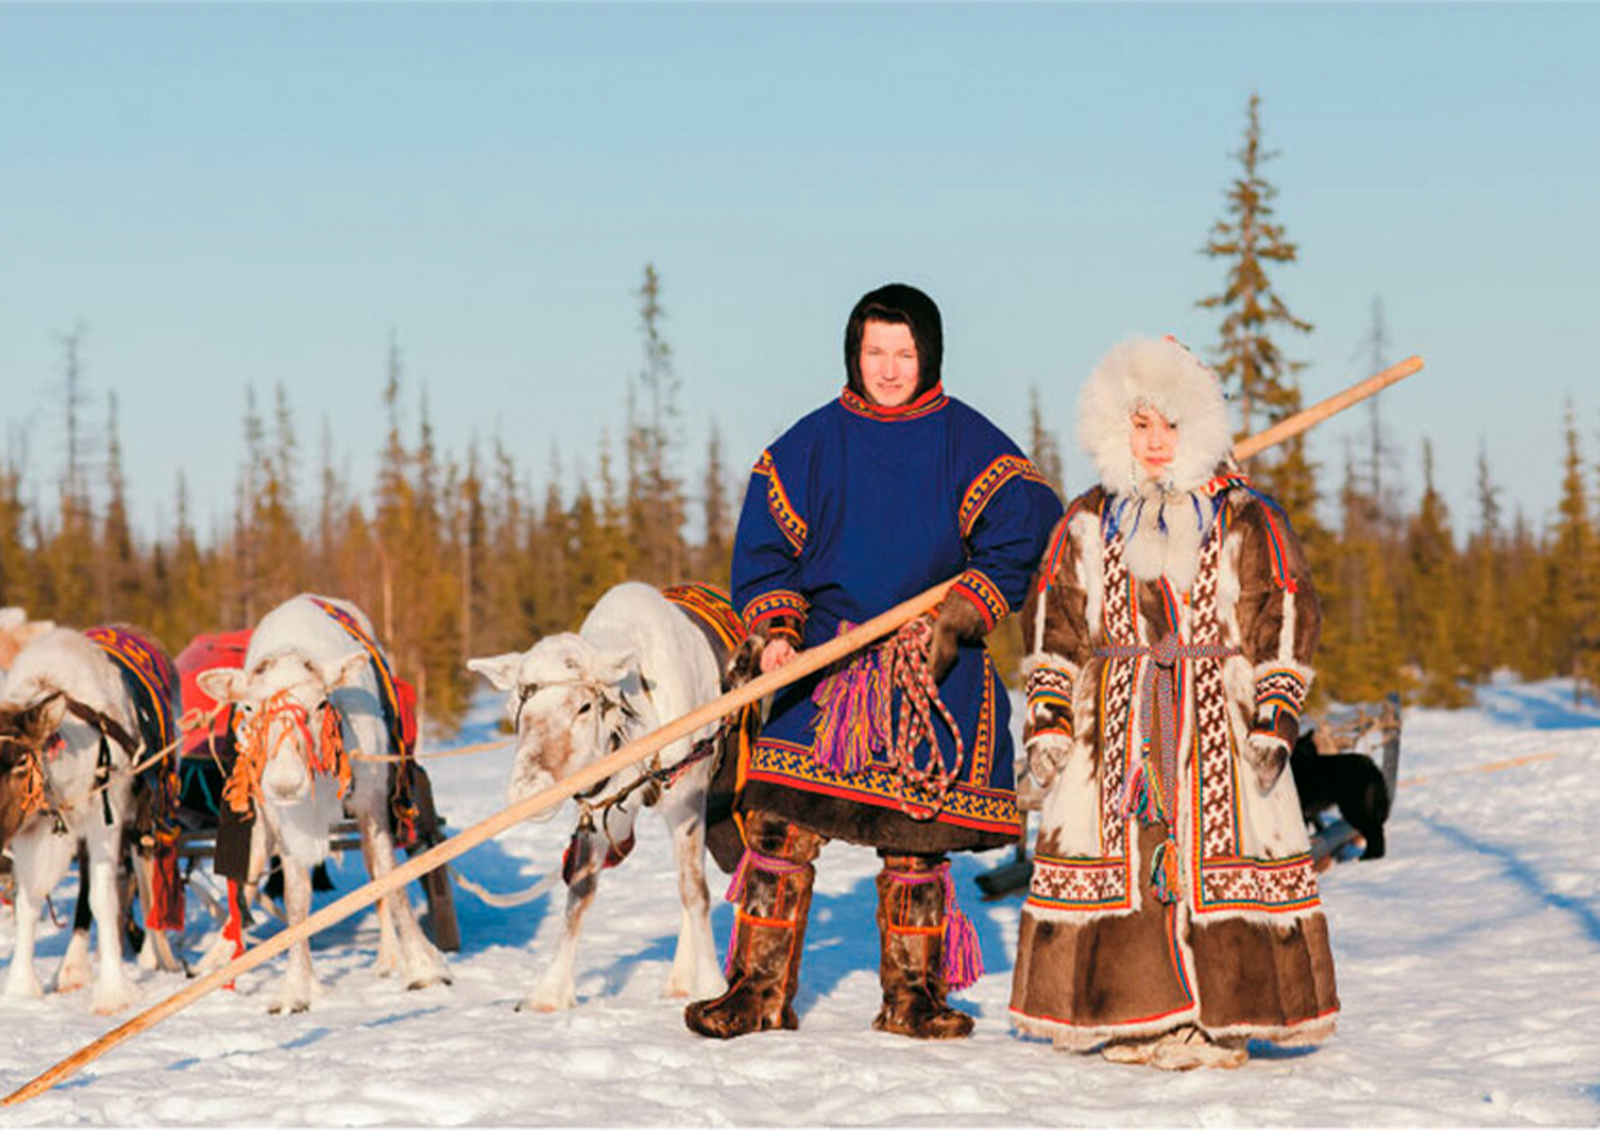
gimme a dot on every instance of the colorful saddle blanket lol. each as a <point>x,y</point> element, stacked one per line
<point>152,683</point>
<point>399,704</point>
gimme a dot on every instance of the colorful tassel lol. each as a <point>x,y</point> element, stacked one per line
<point>963,957</point>
<point>1164,872</point>
<point>853,716</point>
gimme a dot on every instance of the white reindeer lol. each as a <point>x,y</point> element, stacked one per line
<point>637,663</point>
<point>301,664</point>
<point>59,695</point>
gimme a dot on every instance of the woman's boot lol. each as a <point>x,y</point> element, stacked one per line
<point>928,947</point>
<point>772,890</point>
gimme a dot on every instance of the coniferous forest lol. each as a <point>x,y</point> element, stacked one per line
<point>456,554</point>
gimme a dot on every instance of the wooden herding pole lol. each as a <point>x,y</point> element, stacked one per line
<point>1338,402</point>
<point>803,664</point>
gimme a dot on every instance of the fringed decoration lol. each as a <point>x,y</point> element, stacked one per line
<point>963,957</point>
<point>853,719</point>
<point>1164,872</point>
<point>1136,796</point>
<point>259,736</point>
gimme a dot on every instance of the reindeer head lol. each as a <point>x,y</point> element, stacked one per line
<point>25,732</point>
<point>285,728</point>
<point>568,702</point>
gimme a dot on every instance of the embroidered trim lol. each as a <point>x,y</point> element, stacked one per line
<point>976,586</point>
<point>784,763</point>
<point>778,602</point>
<point>988,484</point>
<point>1277,521</point>
<point>925,405</point>
<point>789,522</point>
<point>1049,692</point>
<point>1078,883</point>
<point>711,606</point>
<point>1280,689</point>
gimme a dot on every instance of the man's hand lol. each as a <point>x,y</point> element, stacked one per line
<point>777,652</point>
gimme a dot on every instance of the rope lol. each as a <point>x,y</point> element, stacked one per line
<point>905,664</point>
<point>514,899</point>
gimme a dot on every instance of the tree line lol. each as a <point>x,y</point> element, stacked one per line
<point>458,555</point>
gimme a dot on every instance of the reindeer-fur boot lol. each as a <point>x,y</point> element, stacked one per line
<point>912,910</point>
<point>772,889</point>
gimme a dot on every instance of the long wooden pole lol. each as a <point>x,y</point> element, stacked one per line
<point>1338,402</point>
<point>803,664</point>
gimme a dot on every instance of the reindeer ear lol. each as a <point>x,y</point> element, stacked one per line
<point>500,670</point>
<point>611,667</point>
<point>32,630</point>
<point>343,672</point>
<point>223,684</point>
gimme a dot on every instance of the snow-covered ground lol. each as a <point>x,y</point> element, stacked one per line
<point>1468,962</point>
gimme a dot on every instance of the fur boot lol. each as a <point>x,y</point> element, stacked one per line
<point>773,892</point>
<point>911,924</point>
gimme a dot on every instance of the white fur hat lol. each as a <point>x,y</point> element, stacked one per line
<point>1161,374</point>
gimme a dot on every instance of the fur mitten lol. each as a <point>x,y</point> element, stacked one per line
<point>958,622</point>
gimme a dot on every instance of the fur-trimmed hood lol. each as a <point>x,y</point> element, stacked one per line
<point>1163,521</point>
<point>1165,376</point>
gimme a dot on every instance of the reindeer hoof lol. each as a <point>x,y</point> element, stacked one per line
<point>537,1004</point>
<point>288,1008</point>
<point>23,988</point>
<point>108,1001</point>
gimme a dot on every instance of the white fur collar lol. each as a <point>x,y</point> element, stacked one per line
<point>1162,532</point>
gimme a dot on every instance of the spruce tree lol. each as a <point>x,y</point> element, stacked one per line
<point>1248,358</point>
<point>1433,597</point>
<point>655,492</point>
<point>1044,447</point>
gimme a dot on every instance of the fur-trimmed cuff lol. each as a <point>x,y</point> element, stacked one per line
<point>1280,696</point>
<point>1049,690</point>
<point>777,613</point>
<point>976,586</point>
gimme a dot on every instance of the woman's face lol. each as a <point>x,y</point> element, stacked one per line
<point>1155,441</point>
<point>889,366</point>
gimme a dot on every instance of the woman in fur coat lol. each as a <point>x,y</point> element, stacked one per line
<point>1173,913</point>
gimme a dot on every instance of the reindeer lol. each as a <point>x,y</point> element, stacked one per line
<point>308,695</point>
<point>636,664</point>
<point>67,753</point>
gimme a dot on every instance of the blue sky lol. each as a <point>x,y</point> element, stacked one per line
<point>241,195</point>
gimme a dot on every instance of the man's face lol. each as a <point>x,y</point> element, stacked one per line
<point>889,366</point>
<point>1155,442</point>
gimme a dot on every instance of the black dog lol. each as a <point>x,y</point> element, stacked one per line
<point>1350,781</point>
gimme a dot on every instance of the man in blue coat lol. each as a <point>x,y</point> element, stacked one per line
<point>865,502</point>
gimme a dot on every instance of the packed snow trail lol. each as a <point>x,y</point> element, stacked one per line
<point>1468,964</point>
